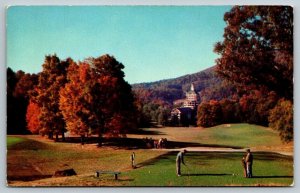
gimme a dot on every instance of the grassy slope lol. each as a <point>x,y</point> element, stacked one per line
<point>227,135</point>
<point>240,135</point>
<point>208,169</point>
<point>13,140</point>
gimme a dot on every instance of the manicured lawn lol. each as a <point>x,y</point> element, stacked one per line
<point>239,135</point>
<point>32,160</point>
<point>215,169</point>
<point>32,154</point>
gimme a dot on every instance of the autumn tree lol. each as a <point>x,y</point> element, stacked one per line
<point>19,85</point>
<point>231,112</point>
<point>281,119</point>
<point>257,49</point>
<point>32,118</point>
<point>25,85</point>
<point>97,99</point>
<point>209,114</point>
<point>75,97</point>
<point>113,97</point>
<point>51,79</point>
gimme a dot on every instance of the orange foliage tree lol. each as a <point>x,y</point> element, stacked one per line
<point>97,99</point>
<point>32,118</point>
<point>51,79</point>
<point>74,98</point>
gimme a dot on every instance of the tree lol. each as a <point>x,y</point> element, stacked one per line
<point>25,85</point>
<point>11,81</point>
<point>257,49</point>
<point>19,85</point>
<point>51,79</point>
<point>74,98</point>
<point>113,96</point>
<point>230,111</point>
<point>32,118</point>
<point>12,103</point>
<point>281,119</point>
<point>97,98</point>
<point>163,116</point>
<point>209,114</point>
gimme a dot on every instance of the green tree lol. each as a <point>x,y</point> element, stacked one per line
<point>257,49</point>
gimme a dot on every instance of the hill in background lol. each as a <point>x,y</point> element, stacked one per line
<point>207,83</point>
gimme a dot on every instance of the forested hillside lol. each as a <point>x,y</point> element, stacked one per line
<point>206,83</point>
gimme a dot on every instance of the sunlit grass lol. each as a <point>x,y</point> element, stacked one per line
<point>215,169</point>
<point>240,135</point>
<point>156,167</point>
<point>13,140</point>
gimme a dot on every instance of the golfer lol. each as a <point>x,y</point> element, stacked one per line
<point>132,160</point>
<point>249,161</point>
<point>179,160</point>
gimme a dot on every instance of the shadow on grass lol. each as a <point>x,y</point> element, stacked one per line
<point>206,174</point>
<point>176,144</point>
<point>270,156</point>
<point>203,158</point>
<point>137,143</point>
<point>166,156</point>
<point>27,178</point>
<point>125,180</point>
<point>147,132</point>
<point>273,177</point>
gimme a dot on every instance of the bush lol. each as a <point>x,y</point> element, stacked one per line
<point>209,114</point>
<point>281,119</point>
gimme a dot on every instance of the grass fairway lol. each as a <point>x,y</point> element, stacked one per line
<point>240,135</point>
<point>32,160</point>
<point>13,140</point>
<point>215,169</point>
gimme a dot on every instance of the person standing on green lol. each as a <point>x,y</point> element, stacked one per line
<point>249,162</point>
<point>179,160</point>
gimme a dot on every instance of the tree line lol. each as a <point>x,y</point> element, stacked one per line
<point>251,82</point>
<point>256,55</point>
<point>88,97</point>
<point>253,78</point>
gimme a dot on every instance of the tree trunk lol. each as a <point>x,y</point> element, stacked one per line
<point>56,136</point>
<point>50,135</point>
<point>63,136</point>
<point>99,139</point>
<point>82,139</point>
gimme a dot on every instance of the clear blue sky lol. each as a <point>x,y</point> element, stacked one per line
<point>153,42</point>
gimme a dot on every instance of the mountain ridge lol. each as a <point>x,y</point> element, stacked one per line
<point>206,82</point>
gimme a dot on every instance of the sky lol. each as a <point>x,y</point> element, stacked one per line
<point>152,42</point>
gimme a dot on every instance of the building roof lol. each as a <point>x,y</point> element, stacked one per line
<point>192,90</point>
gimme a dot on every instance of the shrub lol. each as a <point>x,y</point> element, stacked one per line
<point>281,119</point>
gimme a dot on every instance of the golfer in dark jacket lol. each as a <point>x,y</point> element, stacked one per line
<point>179,160</point>
<point>249,162</point>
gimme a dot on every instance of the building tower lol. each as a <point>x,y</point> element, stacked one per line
<point>191,98</point>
